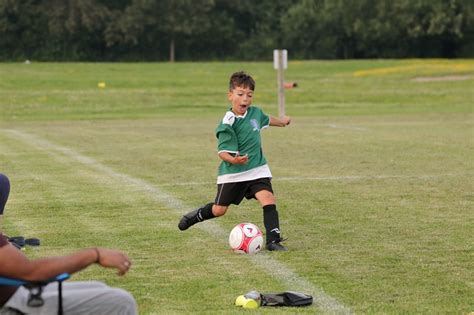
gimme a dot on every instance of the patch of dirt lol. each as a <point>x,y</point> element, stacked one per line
<point>444,78</point>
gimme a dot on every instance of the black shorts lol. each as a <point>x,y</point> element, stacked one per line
<point>234,192</point>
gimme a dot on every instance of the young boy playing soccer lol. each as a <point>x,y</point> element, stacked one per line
<point>243,171</point>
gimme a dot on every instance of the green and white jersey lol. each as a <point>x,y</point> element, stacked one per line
<point>241,135</point>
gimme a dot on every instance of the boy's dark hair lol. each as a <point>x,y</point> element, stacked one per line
<point>241,79</point>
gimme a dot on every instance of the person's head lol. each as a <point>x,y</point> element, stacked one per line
<point>4,192</point>
<point>241,88</point>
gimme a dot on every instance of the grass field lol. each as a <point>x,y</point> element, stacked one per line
<point>374,180</point>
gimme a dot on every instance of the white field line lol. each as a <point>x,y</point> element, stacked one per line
<point>264,261</point>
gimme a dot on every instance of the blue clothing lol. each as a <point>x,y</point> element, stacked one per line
<point>4,191</point>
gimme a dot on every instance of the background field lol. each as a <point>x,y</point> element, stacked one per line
<point>374,180</point>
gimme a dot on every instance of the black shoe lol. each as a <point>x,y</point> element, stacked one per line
<point>276,246</point>
<point>188,220</point>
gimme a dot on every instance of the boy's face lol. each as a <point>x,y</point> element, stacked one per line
<point>240,98</point>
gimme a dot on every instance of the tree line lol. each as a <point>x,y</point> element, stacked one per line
<point>158,30</point>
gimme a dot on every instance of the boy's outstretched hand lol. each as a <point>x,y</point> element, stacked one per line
<point>280,122</point>
<point>285,120</point>
<point>240,159</point>
<point>234,159</point>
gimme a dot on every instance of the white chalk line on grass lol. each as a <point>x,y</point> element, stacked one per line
<point>264,261</point>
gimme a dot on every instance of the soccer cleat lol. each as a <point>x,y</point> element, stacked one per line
<point>276,246</point>
<point>188,220</point>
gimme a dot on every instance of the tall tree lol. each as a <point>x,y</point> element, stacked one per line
<point>161,20</point>
<point>239,29</point>
<point>76,28</point>
<point>23,27</point>
<point>376,28</point>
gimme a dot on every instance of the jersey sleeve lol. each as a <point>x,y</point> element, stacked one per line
<point>264,119</point>
<point>226,137</point>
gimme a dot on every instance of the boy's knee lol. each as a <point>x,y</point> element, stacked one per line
<point>265,197</point>
<point>219,210</point>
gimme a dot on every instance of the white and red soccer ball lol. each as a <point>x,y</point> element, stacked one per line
<point>246,238</point>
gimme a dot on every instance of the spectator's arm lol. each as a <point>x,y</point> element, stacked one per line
<point>17,265</point>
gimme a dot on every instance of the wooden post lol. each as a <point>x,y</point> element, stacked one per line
<point>172,54</point>
<point>281,88</point>
<point>280,63</point>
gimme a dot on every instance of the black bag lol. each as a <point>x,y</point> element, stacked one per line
<point>20,242</point>
<point>287,298</point>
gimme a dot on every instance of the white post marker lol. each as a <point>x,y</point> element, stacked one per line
<point>280,63</point>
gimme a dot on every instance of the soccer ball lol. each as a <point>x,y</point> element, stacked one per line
<point>246,238</point>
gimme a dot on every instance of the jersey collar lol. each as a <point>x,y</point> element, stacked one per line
<point>241,116</point>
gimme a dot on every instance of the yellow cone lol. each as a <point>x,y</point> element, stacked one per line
<point>101,85</point>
